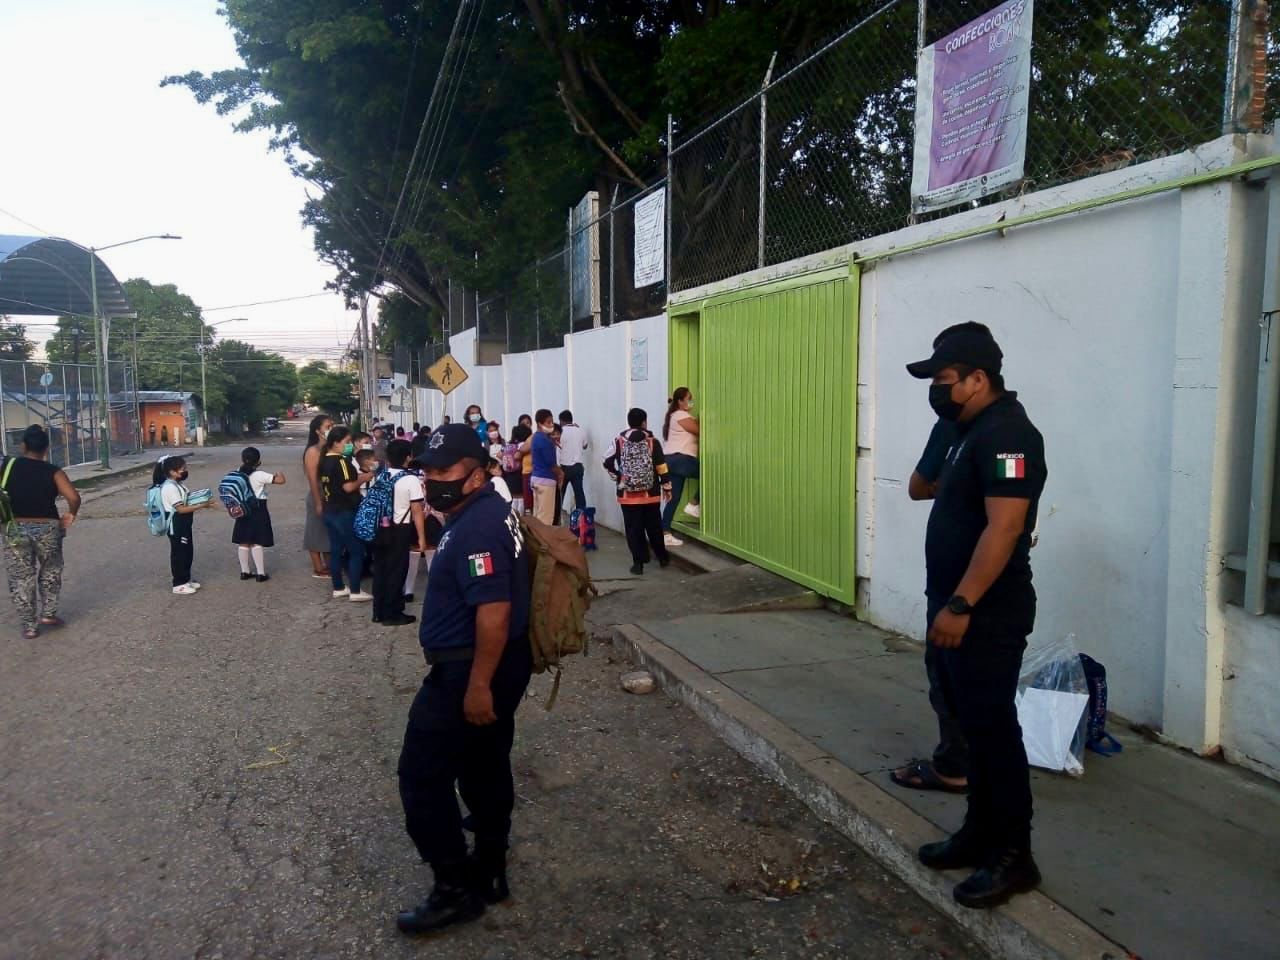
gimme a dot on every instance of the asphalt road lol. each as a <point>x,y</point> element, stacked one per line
<point>214,776</point>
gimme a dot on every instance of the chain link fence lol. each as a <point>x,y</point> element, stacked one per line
<point>821,156</point>
<point>63,398</point>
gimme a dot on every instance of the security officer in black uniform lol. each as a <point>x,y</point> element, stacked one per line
<point>982,605</point>
<point>475,636</point>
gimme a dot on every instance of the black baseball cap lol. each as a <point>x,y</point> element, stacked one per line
<point>451,443</point>
<point>969,347</point>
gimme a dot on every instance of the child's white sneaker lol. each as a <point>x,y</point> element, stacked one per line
<point>185,590</point>
<point>359,597</point>
<point>344,592</point>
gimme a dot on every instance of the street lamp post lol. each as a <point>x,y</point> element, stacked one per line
<point>101,332</point>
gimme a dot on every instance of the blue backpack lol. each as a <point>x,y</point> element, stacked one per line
<point>159,520</point>
<point>1096,738</point>
<point>236,494</point>
<point>375,510</point>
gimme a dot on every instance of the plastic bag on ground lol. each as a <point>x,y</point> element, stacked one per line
<point>1052,700</point>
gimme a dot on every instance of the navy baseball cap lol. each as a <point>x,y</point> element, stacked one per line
<point>451,443</point>
<point>967,347</point>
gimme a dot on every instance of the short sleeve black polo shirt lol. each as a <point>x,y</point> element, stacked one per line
<point>999,454</point>
<point>480,559</point>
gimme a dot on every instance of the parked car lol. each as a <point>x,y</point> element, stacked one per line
<point>271,423</point>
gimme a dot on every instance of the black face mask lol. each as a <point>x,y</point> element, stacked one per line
<point>943,405</point>
<point>444,495</point>
<point>184,474</point>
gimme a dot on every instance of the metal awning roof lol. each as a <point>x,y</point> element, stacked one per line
<point>49,277</point>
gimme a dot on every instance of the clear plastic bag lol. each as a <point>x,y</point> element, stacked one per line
<point>1052,701</point>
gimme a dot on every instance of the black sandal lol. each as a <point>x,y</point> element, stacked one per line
<point>920,775</point>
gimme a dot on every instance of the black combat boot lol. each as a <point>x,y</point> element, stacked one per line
<point>1009,872</point>
<point>961,849</point>
<point>452,900</point>
<point>489,870</point>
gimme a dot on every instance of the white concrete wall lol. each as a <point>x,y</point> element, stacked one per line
<point>589,374</point>
<point>1130,332</point>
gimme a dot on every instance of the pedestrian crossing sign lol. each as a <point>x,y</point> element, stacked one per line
<point>447,374</point>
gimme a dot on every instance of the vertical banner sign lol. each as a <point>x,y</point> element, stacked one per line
<point>971,109</point>
<point>650,225</point>
<point>584,237</point>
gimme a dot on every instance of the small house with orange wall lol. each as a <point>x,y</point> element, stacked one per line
<point>171,412</point>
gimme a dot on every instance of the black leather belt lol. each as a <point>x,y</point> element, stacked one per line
<point>450,655</point>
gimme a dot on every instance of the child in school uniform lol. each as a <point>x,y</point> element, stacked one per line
<point>170,475</point>
<point>252,533</point>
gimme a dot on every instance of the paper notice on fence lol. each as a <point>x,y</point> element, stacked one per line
<point>650,252</point>
<point>971,109</point>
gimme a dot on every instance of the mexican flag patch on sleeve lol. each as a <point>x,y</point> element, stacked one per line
<point>481,564</point>
<point>1011,466</point>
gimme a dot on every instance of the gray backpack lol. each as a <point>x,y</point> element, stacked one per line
<point>635,463</point>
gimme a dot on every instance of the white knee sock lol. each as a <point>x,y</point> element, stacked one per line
<point>427,560</point>
<point>243,554</point>
<point>409,580</point>
<point>260,560</point>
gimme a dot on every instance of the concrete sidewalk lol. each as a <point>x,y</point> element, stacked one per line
<point>1162,852</point>
<point>86,472</point>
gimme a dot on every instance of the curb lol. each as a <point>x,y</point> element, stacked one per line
<point>1031,927</point>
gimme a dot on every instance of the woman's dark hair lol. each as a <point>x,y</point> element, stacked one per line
<point>542,416</point>
<point>466,414</point>
<point>672,406</point>
<point>335,435</point>
<point>313,435</point>
<point>35,439</point>
<point>250,460</point>
<point>520,433</point>
<point>160,472</point>
<point>523,417</point>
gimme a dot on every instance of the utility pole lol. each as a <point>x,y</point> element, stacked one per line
<point>100,368</point>
<point>204,394</point>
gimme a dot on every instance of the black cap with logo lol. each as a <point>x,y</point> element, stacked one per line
<point>965,347</point>
<point>451,443</point>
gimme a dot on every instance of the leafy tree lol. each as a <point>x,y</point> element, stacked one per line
<point>333,392</point>
<point>401,321</point>
<point>14,343</point>
<point>308,376</point>
<point>166,335</point>
<point>257,384</point>
<point>547,99</point>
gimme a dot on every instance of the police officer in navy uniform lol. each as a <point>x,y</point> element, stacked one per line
<point>474,634</point>
<point>981,605</point>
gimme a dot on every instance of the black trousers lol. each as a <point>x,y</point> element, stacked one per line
<point>980,677</point>
<point>643,525</point>
<point>182,548</point>
<point>390,567</point>
<point>951,755</point>
<point>441,749</point>
<point>573,477</point>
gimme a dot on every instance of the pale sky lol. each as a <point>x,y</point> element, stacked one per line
<point>92,149</point>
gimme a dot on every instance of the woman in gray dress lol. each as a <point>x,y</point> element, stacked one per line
<point>315,538</point>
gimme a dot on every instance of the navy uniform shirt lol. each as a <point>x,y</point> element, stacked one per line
<point>999,453</point>
<point>480,559</point>
<point>942,438</point>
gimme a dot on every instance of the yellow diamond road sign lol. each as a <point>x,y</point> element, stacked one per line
<point>447,374</point>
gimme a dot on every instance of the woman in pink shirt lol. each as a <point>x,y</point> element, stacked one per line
<point>680,443</point>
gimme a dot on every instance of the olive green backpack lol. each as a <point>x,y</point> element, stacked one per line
<point>560,595</point>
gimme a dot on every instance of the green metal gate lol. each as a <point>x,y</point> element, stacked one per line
<point>774,372</point>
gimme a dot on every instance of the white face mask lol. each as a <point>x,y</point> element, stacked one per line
<point>493,434</point>
<point>366,446</point>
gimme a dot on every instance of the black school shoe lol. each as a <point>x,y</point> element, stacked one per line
<point>246,576</point>
<point>450,903</point>
<point>1006,874</point>
<point>637,569</point>
<point>263,577</point>
<point>401,621</point>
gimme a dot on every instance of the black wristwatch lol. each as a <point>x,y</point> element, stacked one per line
<point>959,606</point>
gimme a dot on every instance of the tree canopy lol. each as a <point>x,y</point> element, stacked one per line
<point>541,101</point>
<point>165,340</point>
<point>14,342</point>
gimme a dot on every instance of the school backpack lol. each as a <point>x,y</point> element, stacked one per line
<point>510,457</point>
<point>582,524</point>
<point>635,463</point>
<point>236,494</point>
<point>159,520</point>
<point>375,509</point>
<point>560,593</point>
<point>1096,737</point>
